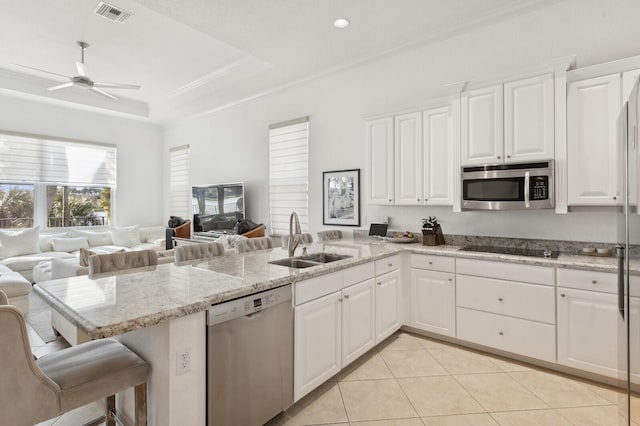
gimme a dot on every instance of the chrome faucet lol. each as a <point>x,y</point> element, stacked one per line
<point>294,239</point>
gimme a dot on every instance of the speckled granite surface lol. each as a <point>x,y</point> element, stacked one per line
<point>132,300</point>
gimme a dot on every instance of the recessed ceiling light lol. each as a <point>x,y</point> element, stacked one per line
<point>341,23</point>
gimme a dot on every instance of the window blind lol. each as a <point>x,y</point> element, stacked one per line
<point>179,190</point>
<point>289,174</point>
<point>26,158</point>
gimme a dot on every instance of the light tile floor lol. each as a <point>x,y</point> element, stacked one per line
<point>412,380</point>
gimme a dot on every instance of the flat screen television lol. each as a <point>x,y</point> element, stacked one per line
<point>217,207</point>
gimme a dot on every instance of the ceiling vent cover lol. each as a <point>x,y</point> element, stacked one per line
<point>112,13</point>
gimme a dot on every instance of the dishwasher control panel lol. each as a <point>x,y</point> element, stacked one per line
<point>248,305</point>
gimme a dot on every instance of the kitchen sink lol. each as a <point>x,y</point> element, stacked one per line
<point>309,260</point>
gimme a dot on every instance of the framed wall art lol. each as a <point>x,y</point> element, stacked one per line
<point>341,197</point>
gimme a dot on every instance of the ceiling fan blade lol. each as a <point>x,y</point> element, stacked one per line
<point>116,85</point>
<point>103,93</point>
<point>82,69</point>
<point>60,86</point>
<point>45,72</point>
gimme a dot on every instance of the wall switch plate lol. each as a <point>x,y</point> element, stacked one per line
<point>183,361</point>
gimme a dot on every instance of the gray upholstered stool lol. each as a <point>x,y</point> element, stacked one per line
<point>333,234</point>
<point>100,264</point>
<point>33,391</point>
<point>253,244</point>
<point>189,252</point>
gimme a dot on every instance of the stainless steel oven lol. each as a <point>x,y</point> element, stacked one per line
<point>517,186</point>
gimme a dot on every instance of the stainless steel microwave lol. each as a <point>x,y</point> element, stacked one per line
<point>516,186</point>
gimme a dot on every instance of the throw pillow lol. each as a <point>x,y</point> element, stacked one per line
<point>17,243</point>
<point>126,237</point>
<point>84,256</point>
<point>69,244</point>
<point>95,238</point>
<point>45,240</point>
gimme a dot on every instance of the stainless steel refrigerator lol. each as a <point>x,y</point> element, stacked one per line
<point>627,252</point>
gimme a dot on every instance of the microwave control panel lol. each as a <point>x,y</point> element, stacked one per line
<point>539,188</point>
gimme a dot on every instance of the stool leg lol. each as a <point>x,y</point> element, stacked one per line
<point>141,405</point>
<point>110,408</point>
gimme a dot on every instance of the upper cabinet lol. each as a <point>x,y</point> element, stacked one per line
<point>511,122</point>
<point>408,159</point>
<point>593,106</point>
<point>411,158</point>
<point>482,126</point>
<point>381,163</point>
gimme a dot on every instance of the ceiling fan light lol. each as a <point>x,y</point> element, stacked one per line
<point>341,23</point>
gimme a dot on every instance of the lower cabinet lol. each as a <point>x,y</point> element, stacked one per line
<point>358,331</point>
<point>317,343</point>
<point>433,304</point>
<point>387,305</point>
<point>589,327</point>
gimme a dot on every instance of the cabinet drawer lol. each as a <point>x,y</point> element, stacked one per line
<point>604,282</point>
<point>387,264</point>
<point>433,263</point>
<point>515,335</point>
<point>506,271</point>
<point>529,301</point>
<point>357,274</point>
<point>317,287</point>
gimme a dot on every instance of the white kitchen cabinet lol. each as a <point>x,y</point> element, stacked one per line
<point>628,80</point>
<point>358,324</point>
<point>317,342</point>
<point>387,304</point>
<point>408,159</point>
<point>529,119</point>
<point>437,149</point>
<point>588,327</point>
<point>482,126</point>
<point>593,106</point>
<point>381,161</point>
<point>433,304</point>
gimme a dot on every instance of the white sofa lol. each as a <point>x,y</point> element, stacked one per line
<point>28,251</point>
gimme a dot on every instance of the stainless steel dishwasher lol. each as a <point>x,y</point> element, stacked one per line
<point>250,358</point>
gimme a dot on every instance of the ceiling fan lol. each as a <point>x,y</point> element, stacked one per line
<point>83,80</point>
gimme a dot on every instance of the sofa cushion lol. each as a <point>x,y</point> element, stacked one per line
<point>13,284</point>
<point>69,244</point>
<point>16,243</point>
<point>127,237</point>
<point>95,238</point>
<point>26,263</point>
<point>45,240</point>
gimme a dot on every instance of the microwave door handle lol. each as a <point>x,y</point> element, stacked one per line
<point>526,190</point>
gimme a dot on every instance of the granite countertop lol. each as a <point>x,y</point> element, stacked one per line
<point>114,305</point>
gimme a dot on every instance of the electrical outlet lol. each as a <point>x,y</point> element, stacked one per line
<point>183,361</point>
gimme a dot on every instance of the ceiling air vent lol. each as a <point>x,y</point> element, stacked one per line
<point>112,13</point>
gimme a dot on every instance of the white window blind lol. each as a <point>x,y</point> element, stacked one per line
<point>26,158</point>
<point>289,174</point>
<point>179,190</point>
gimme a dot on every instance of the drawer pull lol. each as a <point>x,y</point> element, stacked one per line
<point>379,283</point>
<point>501,333</point>
<point>594,282</point>
<point>430,263</point>
<point>390,265</point>
<point>562,295</point>
<point>500,299</point>
<point>346,296</point>
<point>450,279</point>
<point>339,299</point>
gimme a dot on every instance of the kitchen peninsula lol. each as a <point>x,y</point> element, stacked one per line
<point>160,311</point>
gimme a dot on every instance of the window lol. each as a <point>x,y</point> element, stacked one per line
<point>179,191</point>
<point>55,183</point>
<point>289,174</point>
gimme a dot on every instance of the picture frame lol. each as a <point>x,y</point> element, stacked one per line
<point>341,197</point>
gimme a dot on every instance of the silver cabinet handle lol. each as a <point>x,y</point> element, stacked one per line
<point>346,296</point>
<point>614,198</point>
<point>501,333</point>
<point>379,283</point>
<point>498,157</point>
<point>450,279</point>
<point>417,199</point>
<point>430,263</point>
<point>500,299</point>
<point>562,295</point>
<point>389,199</point>
<point>339,299</point>
<point>390,265</point>
<point>508,156</point>
<point>594,282</point>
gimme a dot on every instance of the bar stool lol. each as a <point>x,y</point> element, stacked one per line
<point>253,244</point>
<point>32,391</point>
<point>189,252</point>
<point>333,234</point>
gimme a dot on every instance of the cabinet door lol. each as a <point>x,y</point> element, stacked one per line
<point>437,143</point>
<point>380,139</point>
<point>593,106</point>
<point>587,330</point>
<point>358,332</point>
<point>529,119</point>
<point>481,136</point>
<point>433,302</point>
<point>387,300</point>
<point>317,343</point>
<point>408,159</point>
<point>628,80</point>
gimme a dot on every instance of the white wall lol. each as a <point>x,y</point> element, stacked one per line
<point>139,192</point>
<point>232,145</point>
